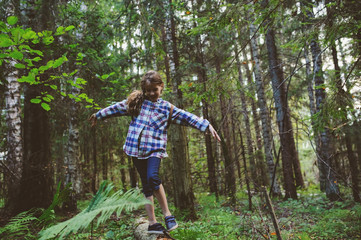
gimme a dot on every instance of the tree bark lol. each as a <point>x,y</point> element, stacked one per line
<point>264,115</point>
<point>184,196</point>
<point>312,106</point>
<point>71,161</point>
<point>94,157</point>
<point>202,78</point>
<point>229,165</point>
<point>290,161</point>
<point>257,129</point>
<point>14,157</point>
<point>36,188</point>
<point>343,101</point>
<point>245,113</point>
<point>331,186</point>
<point>353,168</point>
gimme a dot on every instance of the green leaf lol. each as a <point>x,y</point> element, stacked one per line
<point>54,87</point>
<point>12,20</point>
<point>59,61</point>
<point>5,41</point>
<point>20,66</point>
<point>69,28</point>
<point>16,55</point>
<point>50,96</point>
<point>16,34</point>
<point>59,31</point>
<point>36,59</point>
<point>45,106</point>
<point>29,78</point>
<point>35,100</point>
<point>81,81</point>
<point>48,40</point>
<point>105,76</point>
<point>29,34</point>
<point>46,99</point>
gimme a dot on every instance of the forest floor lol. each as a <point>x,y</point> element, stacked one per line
<point>312,216</point>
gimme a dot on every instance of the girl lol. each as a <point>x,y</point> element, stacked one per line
<point>147,138</point>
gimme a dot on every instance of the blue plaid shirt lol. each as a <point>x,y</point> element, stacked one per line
<point>147,134</point>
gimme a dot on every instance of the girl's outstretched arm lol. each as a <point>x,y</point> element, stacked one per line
<point>93,119</point>
<point>213,132</point>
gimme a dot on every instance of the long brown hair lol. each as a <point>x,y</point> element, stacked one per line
<point>136,98</point>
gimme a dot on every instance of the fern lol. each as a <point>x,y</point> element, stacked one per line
<point>25,224</point>
<point>59,197</point>
<point>19,226</point>
<point>103,205</point>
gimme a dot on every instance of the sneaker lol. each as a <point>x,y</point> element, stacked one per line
<point>170,223</point>
<point>156,228</point>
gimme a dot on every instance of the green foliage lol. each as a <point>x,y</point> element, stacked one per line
<point>339,223</point>
<point>102,206</point>
<point>19,227</point>
<point>25,224</point>
<point>17,52</point>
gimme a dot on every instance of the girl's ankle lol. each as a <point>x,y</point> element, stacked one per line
<point>152,223</point>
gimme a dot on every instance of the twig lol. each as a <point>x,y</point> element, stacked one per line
<point>273,215</point>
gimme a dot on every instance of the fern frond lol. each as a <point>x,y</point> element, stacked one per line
<point>101,205</point>
<point>59,197</point>
<point>18,226</point>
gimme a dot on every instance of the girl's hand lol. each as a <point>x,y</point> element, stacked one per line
<point>93,120</point>
<point>213,132</point>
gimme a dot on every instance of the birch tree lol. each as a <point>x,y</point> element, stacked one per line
<point>290,161</point>
<point>324,152</point>
<point>264,115</point>
<point>13,121</point>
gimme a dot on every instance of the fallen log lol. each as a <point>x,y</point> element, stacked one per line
<point>141,231</point>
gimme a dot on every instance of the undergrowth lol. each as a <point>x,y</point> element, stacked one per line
<point>312,216</point>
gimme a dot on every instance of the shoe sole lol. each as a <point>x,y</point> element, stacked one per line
<point>174,227</point>
<point>155,232</point>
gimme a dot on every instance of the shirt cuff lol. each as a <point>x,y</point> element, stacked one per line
<point>204,126</point>
<point>98,115</point>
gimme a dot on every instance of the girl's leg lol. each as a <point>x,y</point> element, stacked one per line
<point>142,168</point>
<point>149,208</point>
<point>162,199</point>
<point>156,184</point>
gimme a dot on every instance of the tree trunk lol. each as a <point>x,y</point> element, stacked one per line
<point>267,135</point>
<point>259,143</point>
<point>245,113</point>
<point>246,176</point>
<point>353,167</point>
<point>202,78</point>
<point>132,173</point>
<point>343,101</point>
<point>184,197</point>
<point>331,186</point>
<point>71,161</point>
<point>312,106</point>
<point>14,157</point>
<point>229,164</point>
<point>290,161</point>
<point>95,165</point>
<point>36,188</point>
<point>37,179</point>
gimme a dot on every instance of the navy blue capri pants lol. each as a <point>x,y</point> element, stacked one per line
<point>148,170</point>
